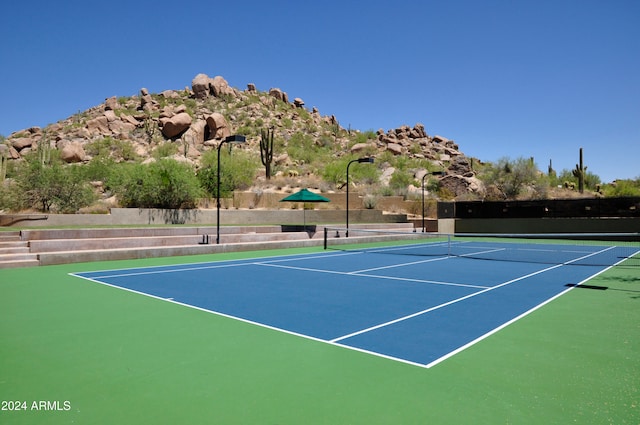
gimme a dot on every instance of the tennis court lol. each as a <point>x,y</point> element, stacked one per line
<point>363,333</point>
<point>418,302</point>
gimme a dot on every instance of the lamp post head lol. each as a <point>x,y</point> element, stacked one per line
<point>369,160</point>
<point>437,173</point>
<point>235,138</point>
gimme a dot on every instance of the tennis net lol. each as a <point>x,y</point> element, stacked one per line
<point>594,249</point>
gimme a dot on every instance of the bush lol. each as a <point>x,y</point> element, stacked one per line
<point>400,181</point>
<point>100,168</point>
<point>165,183</point>
<point>108,147</point>
<point>512,177</point>
<point>591,181</point>
<point>237,171</point>
<point>50,185</point>
<point>301,148</point>
<point>622,188</point>
<point>165,150</point>
<point>336,171</point>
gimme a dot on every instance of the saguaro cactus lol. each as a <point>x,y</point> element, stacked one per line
<point>3,166</point>
<point>44,151</point>
<point>580,172</point>
<point>266,151</point>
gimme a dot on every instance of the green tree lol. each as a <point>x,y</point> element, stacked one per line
<point>237,171</point>
<point>51,185</point>
<point>165,183</point>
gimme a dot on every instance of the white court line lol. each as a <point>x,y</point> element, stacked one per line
<point>404,247</point>
<point>399,265</point>
<point>457,300</point>
<point>342,345</point>
<point>434,282</point>
<point>515,319</point>
<point>251,322</point>
<point>510,248</point>
<point>205,265</point>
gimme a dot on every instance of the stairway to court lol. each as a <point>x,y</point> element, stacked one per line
<point>14,252</point>
<point>62,246</point>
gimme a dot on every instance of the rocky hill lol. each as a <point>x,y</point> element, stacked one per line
<point>198,117</point>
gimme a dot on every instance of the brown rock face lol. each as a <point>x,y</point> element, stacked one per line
<point>177,124</point>
<point>200,86</point>
<point>73,152</point>
<point>217,126</point>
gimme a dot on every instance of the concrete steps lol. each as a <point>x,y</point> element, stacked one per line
<point>14,252</point>
<point>12,262</point>
<point>62,246</point>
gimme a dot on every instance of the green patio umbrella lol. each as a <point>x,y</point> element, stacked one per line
<point>303,196</point>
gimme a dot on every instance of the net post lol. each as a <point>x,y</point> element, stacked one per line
<point>449,245</point>
<point>325,237</point>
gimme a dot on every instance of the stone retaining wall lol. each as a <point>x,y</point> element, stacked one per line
<point>207,217</point>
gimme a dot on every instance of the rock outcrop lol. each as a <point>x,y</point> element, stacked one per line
<point>197,118</point>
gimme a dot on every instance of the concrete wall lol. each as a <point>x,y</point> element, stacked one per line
<point>446,225</point>
<point>338,201</point>
<point>135,216</point>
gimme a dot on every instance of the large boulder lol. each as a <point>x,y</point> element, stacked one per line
<point>119,127</point>
<point>461,185</point>
<point>217,127</point>
<point>279,94</point>
<point>110,103</point>
<point>73,152</point>
<point>22,142</point>
<point>359,147</point>
<point>461,165</point>
<point>419,131</point>
<point>177,124</point>
<point>200,86</point>
<point>195,134</point>
<point>219,87</point>
<point>394,148</point>
<point>98,126</point>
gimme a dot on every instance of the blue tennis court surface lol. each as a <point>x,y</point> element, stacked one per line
<point>418,310</point>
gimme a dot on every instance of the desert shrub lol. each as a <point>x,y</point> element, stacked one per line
<point>50,186</point>
<point>591,181</point>
<point>109,147</point>
<point>335,171</point>
<point>400,181</point>
<point>366,136</point>
<point>622,188</point>
<point>165,183</point>
<point>511,177</point>
<point>370,201</point>
<point>165,150</point>
<point>302,148</point>
<point>99,168</point>
<point>237,171</point>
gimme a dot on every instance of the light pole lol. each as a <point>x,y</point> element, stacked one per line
<point>361,160</point>
<point>433,173</point>
<point>236,138</point>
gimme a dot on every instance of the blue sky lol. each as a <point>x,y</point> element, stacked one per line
<point>502,78</point>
